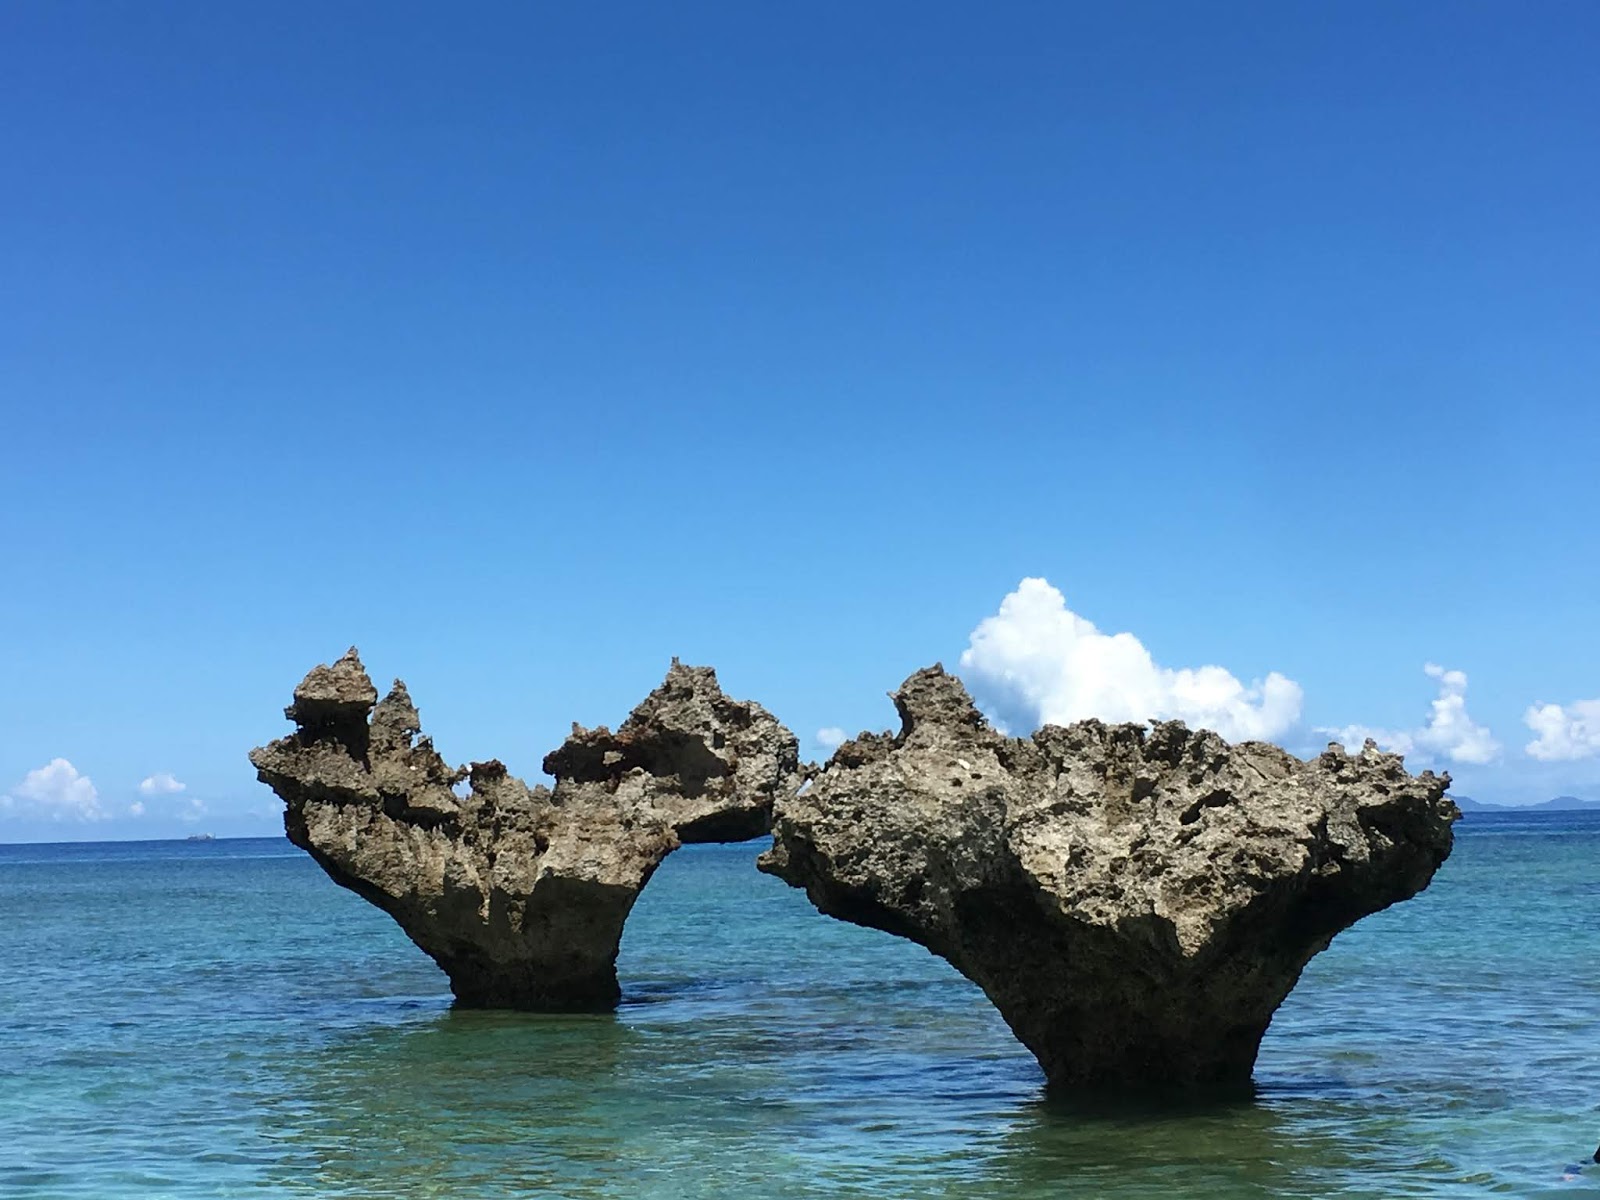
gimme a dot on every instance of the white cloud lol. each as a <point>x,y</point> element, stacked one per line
<point>56,790</point>
<point>1450,733</point>
<point>831,736</point>
<point>136,809</point>
<point>1037,662</point>
<point>1565,732</point>
<point>162,783</point>
<point>194,810</point>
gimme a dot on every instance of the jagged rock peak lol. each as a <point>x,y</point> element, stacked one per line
<point>333,695</point>
<point>936,704</point>
<point>518,892</point>
<point>1136,900</point>
<point>730,756</point>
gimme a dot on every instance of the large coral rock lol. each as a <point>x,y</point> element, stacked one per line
<point>520,893</point>
<point>1136,901</point>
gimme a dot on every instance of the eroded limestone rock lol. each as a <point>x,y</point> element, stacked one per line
<point>1136,901</point>
<point>519,893</point>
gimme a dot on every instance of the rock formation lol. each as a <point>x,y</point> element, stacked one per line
<point>519,893</point>
<point>1135,900</point>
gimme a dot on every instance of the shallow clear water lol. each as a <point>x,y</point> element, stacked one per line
<point>218,1019</point>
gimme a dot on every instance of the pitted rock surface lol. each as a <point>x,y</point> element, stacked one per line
<point>1136,900</point>
<point>520,893</point>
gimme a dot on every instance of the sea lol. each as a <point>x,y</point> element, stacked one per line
<point>218,1019</point>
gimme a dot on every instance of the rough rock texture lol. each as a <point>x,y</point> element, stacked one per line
<point>1136,900</point>
<point>519,892</point>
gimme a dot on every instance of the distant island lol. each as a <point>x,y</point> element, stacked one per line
<point>1560,804</point>
<point>201,837</point>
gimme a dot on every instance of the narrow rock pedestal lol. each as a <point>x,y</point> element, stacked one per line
<point>520,893</point>
<point>1136,900</point>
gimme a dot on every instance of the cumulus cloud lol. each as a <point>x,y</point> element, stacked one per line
<point>162,783</point>
<point>830,737</point>
<point>55,790</point>
<point>136,809</point>
<point>1564,732</point>
<point>1037,662</point>
<point>1450,733</point>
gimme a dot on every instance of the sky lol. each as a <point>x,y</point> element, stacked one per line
<point>1231,363</point>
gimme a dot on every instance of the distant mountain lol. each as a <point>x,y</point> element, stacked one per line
<point>1566,804</point>
<point>1560,804</point>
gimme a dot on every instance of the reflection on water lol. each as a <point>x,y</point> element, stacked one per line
<point>166,1031</point>
<point>458,1104</point>
<point>1234,1149</point>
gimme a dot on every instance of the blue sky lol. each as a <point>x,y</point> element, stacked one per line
<point>529,345</point>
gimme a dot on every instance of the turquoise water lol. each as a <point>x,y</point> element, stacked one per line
<point>218,1019</point>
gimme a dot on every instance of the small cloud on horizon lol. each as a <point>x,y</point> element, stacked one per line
<point>831,737</point>
<point>58,790</point>
<point>1450,732</point>
<point>162,783</point>
<point>1565,732</point>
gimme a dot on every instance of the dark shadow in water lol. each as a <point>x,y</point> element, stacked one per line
<point>450,1105</point>
<point>1195,1148</point>
<point>1100,1103</point>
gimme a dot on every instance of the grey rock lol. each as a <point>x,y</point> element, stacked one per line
<point>520,893</point>
<point>1136,901</point>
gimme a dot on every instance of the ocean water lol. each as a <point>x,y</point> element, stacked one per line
<point>218,1020</point>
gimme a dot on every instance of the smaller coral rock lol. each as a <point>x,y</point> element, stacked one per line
<point>333,696</point>
<point>1136,901</point>
<point>520,893</point>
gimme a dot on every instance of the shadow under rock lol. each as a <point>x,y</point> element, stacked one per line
<point>471,1102</point>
